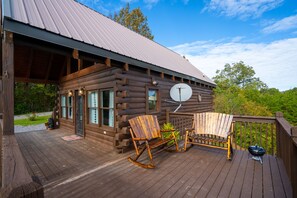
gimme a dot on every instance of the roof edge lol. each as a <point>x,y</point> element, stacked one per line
<point>42,34</point>
<point>6,9</point>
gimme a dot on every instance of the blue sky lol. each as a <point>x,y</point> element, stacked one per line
<point>211,33</point>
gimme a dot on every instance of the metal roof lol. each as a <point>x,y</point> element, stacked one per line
<point>71,20</point>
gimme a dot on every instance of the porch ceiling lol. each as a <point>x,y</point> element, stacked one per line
<point>37,62</point>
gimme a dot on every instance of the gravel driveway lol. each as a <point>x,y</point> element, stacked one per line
<point>21,129</point>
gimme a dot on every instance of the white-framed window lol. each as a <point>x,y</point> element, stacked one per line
<point>107,107</point>
<point>93,107</point>
<point>70,107</point>
<point>63,107</point>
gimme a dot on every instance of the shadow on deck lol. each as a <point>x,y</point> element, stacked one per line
<point>84,168</point>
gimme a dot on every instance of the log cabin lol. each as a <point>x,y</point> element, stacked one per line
<point>105,73</point>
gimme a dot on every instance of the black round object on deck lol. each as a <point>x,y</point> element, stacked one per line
<point>256,150</point>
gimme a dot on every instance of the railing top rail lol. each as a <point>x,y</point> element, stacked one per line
<point>180,114</point>
<point>256,119</point>
<point>239,118</point>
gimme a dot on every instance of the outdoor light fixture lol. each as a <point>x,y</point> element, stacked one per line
<point>155,83</point>
<point>199,98</point>
<point>70,93</point>
<point>81,91</point>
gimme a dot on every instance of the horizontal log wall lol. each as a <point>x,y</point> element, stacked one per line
<point>131,98</point>
<point>130,85</point>
<point>100,79</point>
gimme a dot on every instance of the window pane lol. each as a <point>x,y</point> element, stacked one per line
<point>152,105</point>
<point>152,94</point>
<point>152,100</point>
<point>70,112</point>
<point>107,98</point>
<point>63,101</point>
<point>63,112</point>
<point>107,102</point>
<point>93,99</point>
<point>93,116</point>
<point>107,117</point>
<point>70,101</point>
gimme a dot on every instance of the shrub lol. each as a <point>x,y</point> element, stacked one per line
<point>169,126</point>
<point>32,116</point>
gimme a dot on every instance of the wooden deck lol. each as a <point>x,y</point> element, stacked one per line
<point>83,168</point>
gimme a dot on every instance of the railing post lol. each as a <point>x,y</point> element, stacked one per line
<point>278,147</point>
<point>167,115</point>
<point>279,114</point>
<point>294,160</point>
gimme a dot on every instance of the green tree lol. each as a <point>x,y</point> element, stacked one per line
<point>238,74</point>
<point>34,97</point>
<point>238,90</point>
<point>134,20</point>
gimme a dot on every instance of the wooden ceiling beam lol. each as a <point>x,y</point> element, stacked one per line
<point>32,80</point>
<point>30,63</point>
<point>108,62</point>
<point>126,67</point>
<point>68,65</point>
<point>63,67</point>
<point>75,54</point>
<point>49,67</point>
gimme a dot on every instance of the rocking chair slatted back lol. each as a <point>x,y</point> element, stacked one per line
<point>145,126</point>
<point>212,123</point>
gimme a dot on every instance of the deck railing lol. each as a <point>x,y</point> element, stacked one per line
<point>247,130</point>
<point>287,148</point>
<point>275,134</point>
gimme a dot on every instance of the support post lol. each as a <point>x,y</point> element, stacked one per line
<point>167,115</point>
<point>8,83</point>
<point>1,99</point>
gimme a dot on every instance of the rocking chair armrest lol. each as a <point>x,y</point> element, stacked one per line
<point>189,129</point>
<point>230,133</point>
<point>139,139</point>
<point>166,131</point>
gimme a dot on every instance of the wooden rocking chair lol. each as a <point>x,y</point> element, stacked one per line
<point>212,130</point>
<point>146,134</point>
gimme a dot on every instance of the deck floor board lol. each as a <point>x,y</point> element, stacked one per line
<point>85,168</point>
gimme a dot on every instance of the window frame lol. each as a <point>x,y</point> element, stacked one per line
<point>68,107</point>
<point>158,103</point>
<point>96,108</point>
<point>101,108</point>
<point>63,106</point>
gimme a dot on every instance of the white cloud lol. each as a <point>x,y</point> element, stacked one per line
<point>284,24</point>
<point>150,3</point>
<point>242,8</point>
<point>275,63</point>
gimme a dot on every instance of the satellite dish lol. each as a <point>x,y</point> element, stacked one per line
<point>181,92</point>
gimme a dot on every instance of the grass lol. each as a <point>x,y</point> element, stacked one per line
<point>27,122</point>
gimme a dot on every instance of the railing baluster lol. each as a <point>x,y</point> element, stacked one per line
<point>272,142</point>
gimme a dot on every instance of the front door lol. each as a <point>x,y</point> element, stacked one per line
<point>79,118</point>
